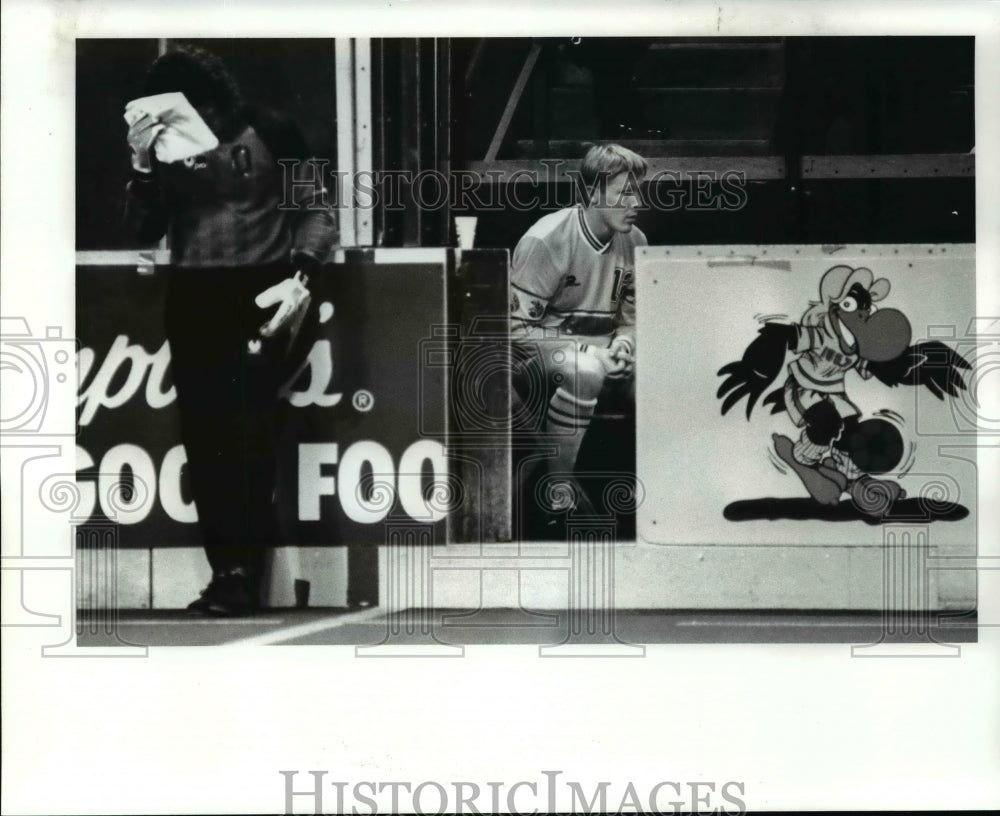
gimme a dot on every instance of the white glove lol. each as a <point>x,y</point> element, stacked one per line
<point>293,300</point>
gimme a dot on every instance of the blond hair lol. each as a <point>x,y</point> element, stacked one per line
<point>605,161</point>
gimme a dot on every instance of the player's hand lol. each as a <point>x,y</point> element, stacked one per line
<point>142,134</point>
<point>621,350</point>
<point>292,298</point>
<point>613,367</point>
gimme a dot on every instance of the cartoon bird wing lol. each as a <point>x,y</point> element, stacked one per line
<point>932,364</point>
<point>761,362</point>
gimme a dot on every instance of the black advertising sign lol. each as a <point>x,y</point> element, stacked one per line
<point>356,446</point>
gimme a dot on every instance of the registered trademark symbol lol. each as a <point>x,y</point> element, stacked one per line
<point>363,400</point>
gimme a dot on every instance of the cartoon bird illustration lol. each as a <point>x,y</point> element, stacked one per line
<point>844,330</point>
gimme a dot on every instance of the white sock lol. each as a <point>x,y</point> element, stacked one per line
<point>808,452</point>
<point>567,421</point>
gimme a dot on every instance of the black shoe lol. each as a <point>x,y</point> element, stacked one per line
<point>203,601</point>
<point>234,595</point>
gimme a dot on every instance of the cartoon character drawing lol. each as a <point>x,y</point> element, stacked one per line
<point>844,330</point>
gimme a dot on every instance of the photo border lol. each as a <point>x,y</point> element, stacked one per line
<point>209,730</point>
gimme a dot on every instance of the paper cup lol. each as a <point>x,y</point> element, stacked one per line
<point>465,229</point>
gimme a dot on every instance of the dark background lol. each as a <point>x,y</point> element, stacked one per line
<point>294,77</point>
<point>740,97</point>
<point>437,104</point>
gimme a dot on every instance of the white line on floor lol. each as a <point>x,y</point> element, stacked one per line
<point>303,629</point>
<point>778,625</point>
<point>199,622</point>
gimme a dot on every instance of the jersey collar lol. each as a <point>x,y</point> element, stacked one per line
<point>588,234</point>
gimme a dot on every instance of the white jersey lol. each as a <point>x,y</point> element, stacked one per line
<point>823,363</point>
<point>564,281</point>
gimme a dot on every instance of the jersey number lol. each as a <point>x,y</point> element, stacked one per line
<point>622,285</point>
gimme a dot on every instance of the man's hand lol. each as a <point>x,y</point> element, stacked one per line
<point>613,367</point>
<point>142,134</point>
<point>621,350</point>
<point>292,298</point>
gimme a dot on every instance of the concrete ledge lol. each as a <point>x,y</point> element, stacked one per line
<point>643,576</point>
<point>172,577</point>
<point>180,573</point>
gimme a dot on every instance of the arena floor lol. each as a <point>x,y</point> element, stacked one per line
<point>437,630</point>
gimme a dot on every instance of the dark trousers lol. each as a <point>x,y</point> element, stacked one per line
<point>227,395</point>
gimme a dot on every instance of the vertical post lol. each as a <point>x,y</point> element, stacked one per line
<point>363,128</point>
<point>542,105</point>
<point>147,263</point>
<point>378,131</point>
<point>411,115</point>
<point>442,50</point>
<point>389,115</point>
<point>478,392</point>
<point>427,91</point>
<point>346,154</point>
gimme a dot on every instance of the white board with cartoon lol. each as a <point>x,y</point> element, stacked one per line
<point>799,395</point>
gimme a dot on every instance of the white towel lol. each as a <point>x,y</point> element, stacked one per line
<point>185,134</point>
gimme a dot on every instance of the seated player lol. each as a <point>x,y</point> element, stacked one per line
<point>572,298</point>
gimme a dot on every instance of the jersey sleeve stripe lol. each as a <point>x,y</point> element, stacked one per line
<point>606,312</point>
<point>528,292</point>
